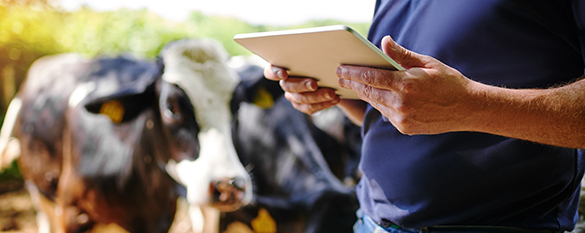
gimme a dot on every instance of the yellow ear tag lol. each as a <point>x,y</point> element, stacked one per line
<point>238,227</point>
<point>263,98</point>
<point>263,223</point>
<point>114,110</point>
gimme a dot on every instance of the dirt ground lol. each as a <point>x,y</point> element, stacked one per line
<point>16,211</point>
<point>17,214</point>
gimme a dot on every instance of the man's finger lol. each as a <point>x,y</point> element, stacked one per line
<point>379,78</point>
<point>372,94</point>
<point>404,57</point>
<point>298,85</point>
<point>275,73</point>
<point>319,96</point>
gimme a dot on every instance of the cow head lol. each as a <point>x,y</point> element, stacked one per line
<point>192,92</point>
<point>197,69</point>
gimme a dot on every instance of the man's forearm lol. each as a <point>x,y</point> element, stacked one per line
<point>554,116</point>
<point>354,110</point>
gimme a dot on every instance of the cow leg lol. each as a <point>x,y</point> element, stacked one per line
<point>9,146</point>
<point>70,188</point>
<point>210,219</point>
<point>204,219</point>
<point>46,219</point>
<point>11,152</point>
<point>197,219</point>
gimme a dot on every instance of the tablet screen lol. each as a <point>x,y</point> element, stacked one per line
<point>317,52</point>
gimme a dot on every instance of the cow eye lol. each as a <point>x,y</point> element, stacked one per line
<point>172,112</point>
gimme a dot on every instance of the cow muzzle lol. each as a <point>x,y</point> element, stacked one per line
<point>227,193</point>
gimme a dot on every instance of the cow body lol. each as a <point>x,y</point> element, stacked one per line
<point>291,163</point>
<point>114,141</point>
<point>89,170</point>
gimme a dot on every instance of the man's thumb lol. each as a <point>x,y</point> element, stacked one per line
<point>404,57</point>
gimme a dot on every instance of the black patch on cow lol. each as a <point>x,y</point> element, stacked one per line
<point>126,80</point>
<point>308,198</point>
<point>252,81</point>
<point>178,115</point>
<point>108,148</point>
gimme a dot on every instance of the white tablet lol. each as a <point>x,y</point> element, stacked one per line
<point>317,52</point>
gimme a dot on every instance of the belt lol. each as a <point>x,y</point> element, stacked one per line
<point>482,229</point>
<point>387,224</point>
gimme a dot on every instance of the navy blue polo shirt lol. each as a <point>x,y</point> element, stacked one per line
<point>470,178</point>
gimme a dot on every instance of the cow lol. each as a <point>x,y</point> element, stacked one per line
<point>110,143</point>
<point>297,169</point>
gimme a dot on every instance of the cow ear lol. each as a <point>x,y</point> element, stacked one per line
<point>123,108</point>
<point>256,89</point>
<point>133,95</point>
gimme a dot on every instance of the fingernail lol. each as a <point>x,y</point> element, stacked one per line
<point>327,95</point>
<point>338,71</point>
<point>388,38</point>
<point>309,86</point>
<point>341,82</point>
<point>277,72</point>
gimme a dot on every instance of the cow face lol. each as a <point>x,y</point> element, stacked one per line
<point>192,101</point>
<point>198,68</point>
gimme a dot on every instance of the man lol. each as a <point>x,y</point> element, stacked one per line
<point>477,135</point>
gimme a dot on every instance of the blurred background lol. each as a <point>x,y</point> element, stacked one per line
<point>30,29</point>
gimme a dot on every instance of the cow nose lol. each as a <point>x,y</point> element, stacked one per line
<point>228,193</point>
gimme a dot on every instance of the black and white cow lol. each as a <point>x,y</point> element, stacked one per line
<point>296,167</point>
<point>108,143</point>
<point>98,133</point>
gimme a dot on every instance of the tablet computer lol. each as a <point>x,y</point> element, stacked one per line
<point>317,52</point>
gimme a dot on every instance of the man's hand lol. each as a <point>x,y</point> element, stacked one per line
<point>427,98</point>
<point>307,97</point>
<point>303,93</point>
<point>431,98</point>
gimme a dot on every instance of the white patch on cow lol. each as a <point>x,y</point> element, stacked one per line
<point>215,161</point>
<point>199,68</point>
<point>80,92</point>
<point>43,222</point>
<point>238,62</point>
<point>49,66</point>
<point>8,152</point>
<point>196,218</point>
<point>11,152</point>
<point>331,121</point>
<point>171,168</point>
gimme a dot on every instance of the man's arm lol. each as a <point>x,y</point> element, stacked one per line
<point>432,98</point>
<point>553,116</point>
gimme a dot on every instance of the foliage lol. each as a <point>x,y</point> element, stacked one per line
<point>27,33</point>
<point>30,29</point>
<point>223,29</point>
<point>11,173</point>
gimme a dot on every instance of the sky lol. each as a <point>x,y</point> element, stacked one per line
<point>266,12</point>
